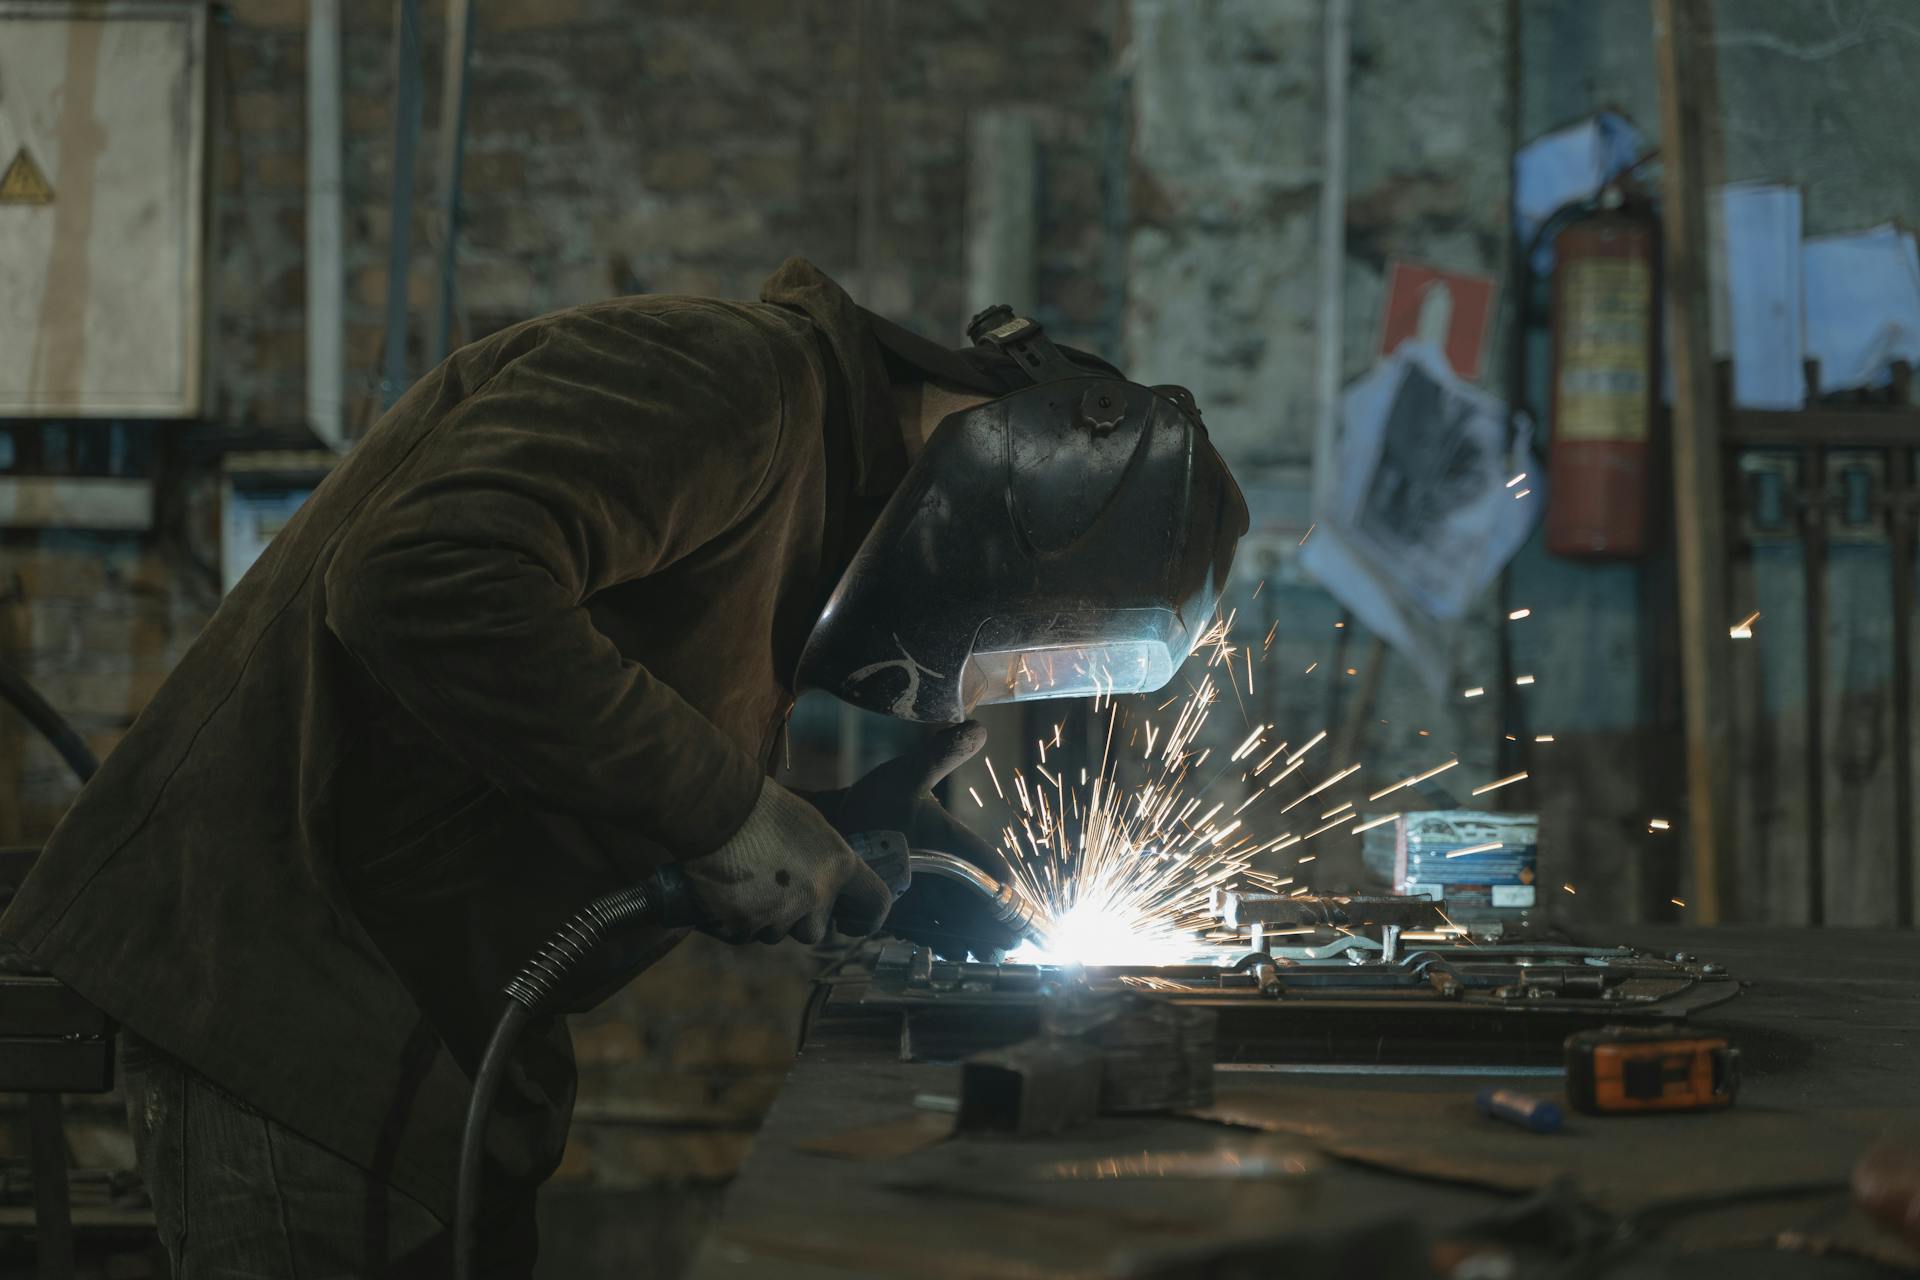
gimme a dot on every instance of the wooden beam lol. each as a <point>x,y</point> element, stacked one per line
<point>1682,58</point>
<point>75,502</point>
<point>1864,428</point>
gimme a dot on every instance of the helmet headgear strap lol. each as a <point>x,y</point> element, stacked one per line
<point>1022,341</point>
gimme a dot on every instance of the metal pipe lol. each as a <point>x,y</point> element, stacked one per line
<point>453,125</point>
<point>406,135</point>
<point>1813,480</point>
<point>1010,907</point>
<point>1900,532</point>
<point>1331,321</point>
<point>1003,209</point>
<point>326,272</point>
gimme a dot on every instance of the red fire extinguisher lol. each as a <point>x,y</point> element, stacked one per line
<point>1606,383</point>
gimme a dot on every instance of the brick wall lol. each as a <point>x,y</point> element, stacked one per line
<point>96,623</point>
<point>613,146</point>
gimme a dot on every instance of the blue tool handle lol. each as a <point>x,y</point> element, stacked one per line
<point>1537,1115</point>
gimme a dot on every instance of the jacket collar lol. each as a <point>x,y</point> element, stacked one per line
<point>879,453</point>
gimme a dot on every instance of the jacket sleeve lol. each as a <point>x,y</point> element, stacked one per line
<point>604,452</point>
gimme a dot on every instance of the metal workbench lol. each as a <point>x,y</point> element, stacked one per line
<point>1829,1029</point>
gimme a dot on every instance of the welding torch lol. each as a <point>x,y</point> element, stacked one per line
<point>1009,906</point>
<point>590,945</point>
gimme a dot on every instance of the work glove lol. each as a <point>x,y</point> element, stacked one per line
<point>898,796</point>
<point>785,872</point>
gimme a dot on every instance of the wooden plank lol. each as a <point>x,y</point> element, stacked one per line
<point>1832,428</point>
<point>1683,61</point>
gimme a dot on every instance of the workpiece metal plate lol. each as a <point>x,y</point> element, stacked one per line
<point>1332,1000</point>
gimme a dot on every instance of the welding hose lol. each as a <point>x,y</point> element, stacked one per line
<point>663,901</point>
<point>53,726</point>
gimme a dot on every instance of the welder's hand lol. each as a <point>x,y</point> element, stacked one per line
<point>1886,1182</point>
<point>898,796</point>
<point>786,871</point>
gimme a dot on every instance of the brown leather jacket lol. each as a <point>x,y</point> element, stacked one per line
<point>534,635</point>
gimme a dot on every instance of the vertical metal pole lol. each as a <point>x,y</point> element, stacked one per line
<point>1515,745</point>
<point>1117,167</point>
<point>1331,319</point>
<point>406,136</point>
<point>1813,513</point>
<point>453,129</point>
<point>1002,224</point>
<point>868,146</point>
<point>1900,532</point>
<point>1681,54</point>
<point>1003,209</point>
<point>326,271</point>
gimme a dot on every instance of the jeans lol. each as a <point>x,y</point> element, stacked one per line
<point>237,1196</point>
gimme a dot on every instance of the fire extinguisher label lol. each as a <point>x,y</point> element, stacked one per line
<point>1603,356</point>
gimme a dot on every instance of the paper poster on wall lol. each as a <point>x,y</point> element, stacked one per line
<point>1451,310</point>
<point>1423,515</point>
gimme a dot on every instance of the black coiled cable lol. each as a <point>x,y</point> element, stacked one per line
<point>585,949</point>
<point>540,986</point>
<point>52,725</point>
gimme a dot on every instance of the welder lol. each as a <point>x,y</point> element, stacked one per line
<point>535,637</point>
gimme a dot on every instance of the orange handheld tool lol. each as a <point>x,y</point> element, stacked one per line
<point>1626,1070</point>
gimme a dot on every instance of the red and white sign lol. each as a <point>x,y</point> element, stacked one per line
<point>1451,309</point>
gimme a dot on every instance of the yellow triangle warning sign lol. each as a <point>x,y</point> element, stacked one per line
<point>23,183</point>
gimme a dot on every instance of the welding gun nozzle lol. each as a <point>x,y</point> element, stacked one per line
<point>1009,906</point>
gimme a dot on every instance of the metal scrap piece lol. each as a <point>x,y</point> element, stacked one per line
<point>1038,1086</point>
<point>1158,1055</point>
<point>1240,910</point>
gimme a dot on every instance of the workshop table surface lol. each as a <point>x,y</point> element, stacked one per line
<point>849,1177</point>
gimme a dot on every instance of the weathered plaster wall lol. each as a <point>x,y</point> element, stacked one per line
<point>1221,296</point>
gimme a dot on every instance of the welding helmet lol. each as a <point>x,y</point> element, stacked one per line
<point>1067,537</point>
